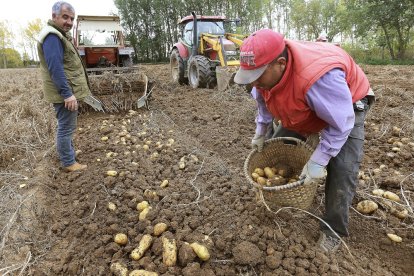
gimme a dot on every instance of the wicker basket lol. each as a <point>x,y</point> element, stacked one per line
<point>293,153</point>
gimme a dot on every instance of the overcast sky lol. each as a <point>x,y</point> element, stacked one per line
<point>19,12</point>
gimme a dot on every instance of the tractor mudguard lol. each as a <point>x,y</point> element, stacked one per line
<point>182,50</point>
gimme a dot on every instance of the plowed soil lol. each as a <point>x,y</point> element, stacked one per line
<point>57,223</point>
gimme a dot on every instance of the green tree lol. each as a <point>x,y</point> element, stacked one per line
<point>152,28</point>
<point>310,18</point>
<point>298,20</point>
<point>394,18</point>
<point>12,57</point>
<point>334,17</point>
<point>26,59</point>
<point>382,43</point>
<point>6,37</point>
<point>30,34</point>
<point>151,25</point>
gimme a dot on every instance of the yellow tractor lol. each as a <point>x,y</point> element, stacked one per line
<point>205,55</point>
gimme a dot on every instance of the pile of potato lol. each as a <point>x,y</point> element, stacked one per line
<point>169,254</point>
<point>129,144</point>
<point>274,176</point>
<point>389,201</point>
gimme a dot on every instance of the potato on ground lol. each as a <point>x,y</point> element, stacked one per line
<point>160,228</point>
<point>394,238</point>
<point>144,244</point>
<point>111,206</point>
<point>140,272</point>
<point>201,251</point>
<point>121,239</point>
<point>150,194</point>
<point>169,253</point>
<point>142,205</point>
<point>119,269</point>
<point>367,207</point>
<point>399,212</point>
<point>164,183</point>
<point>391,196</point>
<point>143,214</point>
<point>378,192</point>
<point>112,173</point>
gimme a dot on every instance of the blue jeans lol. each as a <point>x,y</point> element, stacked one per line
<point>67,121</point>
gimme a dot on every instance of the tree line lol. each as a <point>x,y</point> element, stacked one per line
<point>386,25</point>
<point>382,28</point>
<point>9,55</point>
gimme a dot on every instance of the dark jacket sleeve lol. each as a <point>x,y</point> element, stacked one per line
<point>53,52</point>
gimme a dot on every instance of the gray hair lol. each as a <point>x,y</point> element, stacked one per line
<point>57,7</point>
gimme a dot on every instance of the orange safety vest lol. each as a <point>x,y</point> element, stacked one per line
<point>308,62</point>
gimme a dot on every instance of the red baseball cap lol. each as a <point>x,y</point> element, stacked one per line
<point>256,52</point>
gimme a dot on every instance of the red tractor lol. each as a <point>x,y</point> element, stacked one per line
<point>101,43</point>
<point>115,83</point>
<point>205,54</point>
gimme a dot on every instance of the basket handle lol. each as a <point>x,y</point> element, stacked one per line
<point>288,140</point>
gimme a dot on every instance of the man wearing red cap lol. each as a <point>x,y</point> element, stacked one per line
<point>312,88</point>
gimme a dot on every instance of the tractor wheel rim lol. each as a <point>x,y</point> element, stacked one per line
<point>193,75</point>
<point>174,68</point>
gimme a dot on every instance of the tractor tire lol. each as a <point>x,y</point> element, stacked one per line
<point>200,73</point>
<point>177,68</point>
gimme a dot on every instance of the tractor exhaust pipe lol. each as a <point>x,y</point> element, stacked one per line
<point>195,37</point>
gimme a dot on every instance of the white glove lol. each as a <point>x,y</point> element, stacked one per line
<point>312,172</point>
<point>257,142</point>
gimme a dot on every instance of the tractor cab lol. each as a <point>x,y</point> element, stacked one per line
<point>210,27</point>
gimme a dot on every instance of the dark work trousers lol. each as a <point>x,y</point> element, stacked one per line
<point>342,175</point>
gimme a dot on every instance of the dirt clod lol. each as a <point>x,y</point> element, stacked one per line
<point>247,253</point>
<point>186,254</point>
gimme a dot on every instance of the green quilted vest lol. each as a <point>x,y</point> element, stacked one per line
<point>72,64</point>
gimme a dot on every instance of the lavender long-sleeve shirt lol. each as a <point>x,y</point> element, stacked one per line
<point>330,98</point>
